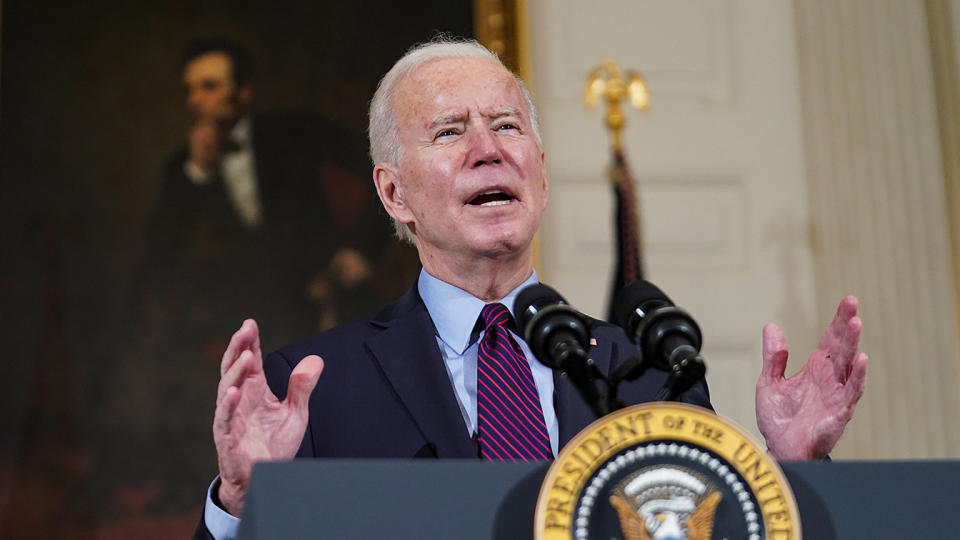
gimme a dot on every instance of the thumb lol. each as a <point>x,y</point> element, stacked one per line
<point>774,352</point>
<point>303,380</point>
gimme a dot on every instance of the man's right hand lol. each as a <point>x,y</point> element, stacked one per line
<point>250,423</point>
<point>204,139</point>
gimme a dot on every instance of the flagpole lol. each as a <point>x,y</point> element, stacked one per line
<point>607,82</point>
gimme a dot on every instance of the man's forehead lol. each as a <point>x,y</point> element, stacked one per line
<point>208,65</point>
<point>461,114</point>
<point>450,72</point>
<point>447,87</point>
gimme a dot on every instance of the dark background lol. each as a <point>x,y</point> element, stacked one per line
<point>90,107</point>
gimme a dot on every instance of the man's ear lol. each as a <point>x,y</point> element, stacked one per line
<point>387,180</point>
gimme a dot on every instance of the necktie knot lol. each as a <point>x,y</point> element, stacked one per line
<point>495,315</point>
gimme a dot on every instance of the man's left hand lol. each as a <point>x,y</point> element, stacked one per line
<point>802,417</point>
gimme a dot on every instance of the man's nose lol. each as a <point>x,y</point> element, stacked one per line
<point>484,146</point>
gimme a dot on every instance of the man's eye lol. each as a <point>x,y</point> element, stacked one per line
<point>502,127</point>
<point>446,133</point>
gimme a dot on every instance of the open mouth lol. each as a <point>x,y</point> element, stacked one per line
<point>493,197</point>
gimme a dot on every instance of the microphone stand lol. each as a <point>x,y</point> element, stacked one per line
<point>573,362</point>
<point>686,368</point>
<point>671,341</point>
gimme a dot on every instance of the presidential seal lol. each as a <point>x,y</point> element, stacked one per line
<point>665,471</point>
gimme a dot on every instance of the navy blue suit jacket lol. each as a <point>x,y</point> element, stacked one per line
<point>385,393</point>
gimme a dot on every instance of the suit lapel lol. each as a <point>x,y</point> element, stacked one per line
<point>573,413</point>
<point>410,358</point>
<point>407,352</point>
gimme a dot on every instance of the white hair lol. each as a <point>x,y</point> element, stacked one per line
<point>385,145</point>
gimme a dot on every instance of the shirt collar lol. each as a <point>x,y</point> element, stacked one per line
<point>241,134</point>
<point>455,311</point>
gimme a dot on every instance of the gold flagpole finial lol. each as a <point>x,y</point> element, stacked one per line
<point>606,81</point>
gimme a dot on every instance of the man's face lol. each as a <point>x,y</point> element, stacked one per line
<point>471,177</point>
<point>212,93</point>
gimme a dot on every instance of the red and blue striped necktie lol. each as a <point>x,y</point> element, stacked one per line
<point>510,425</point>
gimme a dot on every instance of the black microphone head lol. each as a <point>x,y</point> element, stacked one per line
<point>656,325</point>
<point>530,301</point>
<point>546,321</point>
<point>633,297</point>
<point>559,337</point>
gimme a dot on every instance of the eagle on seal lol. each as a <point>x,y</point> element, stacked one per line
<point>666,523</point>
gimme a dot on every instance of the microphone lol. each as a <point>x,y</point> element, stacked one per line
<point>559,338</point>
<point>557,333</point>
<point>667,336</point>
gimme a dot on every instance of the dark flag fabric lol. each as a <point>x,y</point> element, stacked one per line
<point>628,263</point>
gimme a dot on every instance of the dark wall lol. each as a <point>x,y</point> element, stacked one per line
<point>104,433</point>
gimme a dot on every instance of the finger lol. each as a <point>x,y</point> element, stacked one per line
<point>838,326</point>
<point>238,342</point>
<point>303,380</point>
<point>845,351</point>
<point>858,379</point>
<point>247,337</point>
<point>774,352</point>
<point>244,367</point>
<point>224,413</point>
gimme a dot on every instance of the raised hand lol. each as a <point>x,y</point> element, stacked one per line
<point>250,424</point>
<point>803,417</point>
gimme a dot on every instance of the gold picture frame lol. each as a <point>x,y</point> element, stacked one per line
<point>500,25</point>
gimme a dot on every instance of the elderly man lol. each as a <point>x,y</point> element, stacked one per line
<point>460,169</point>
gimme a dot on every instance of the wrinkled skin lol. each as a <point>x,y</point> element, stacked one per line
<point>803,417</point>
<point>250,424</point>
<point>465,131</point>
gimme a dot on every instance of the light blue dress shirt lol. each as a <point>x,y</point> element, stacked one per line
<point>454,313</point>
